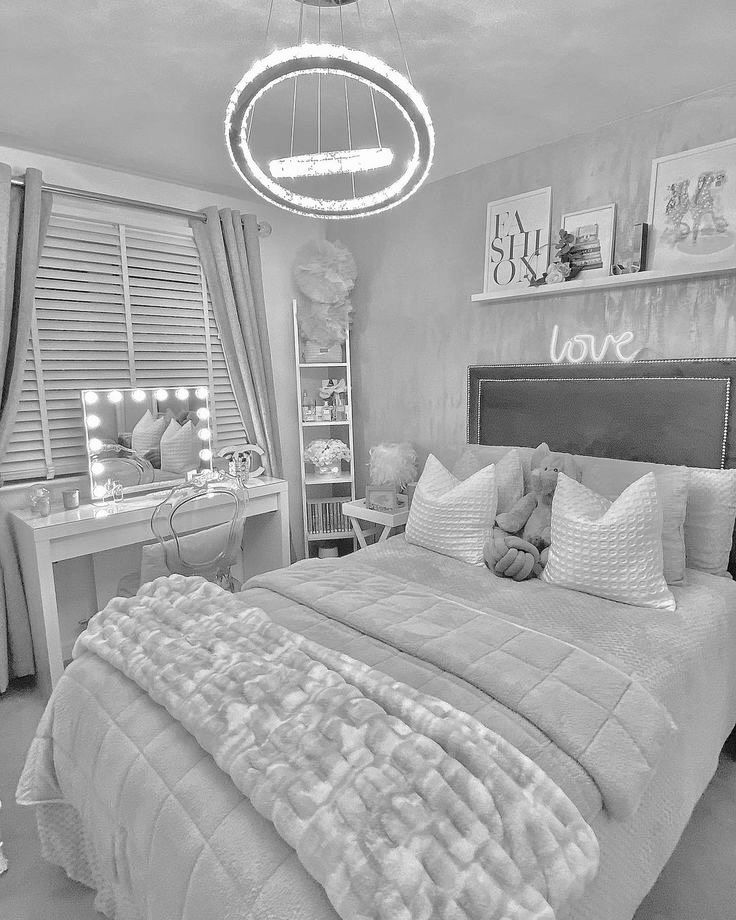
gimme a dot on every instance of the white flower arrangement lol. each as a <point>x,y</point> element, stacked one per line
<point>323,452</point>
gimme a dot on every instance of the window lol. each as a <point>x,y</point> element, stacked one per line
<point>115,306</point>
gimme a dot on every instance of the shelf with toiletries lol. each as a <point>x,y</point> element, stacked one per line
<point>325,430</point>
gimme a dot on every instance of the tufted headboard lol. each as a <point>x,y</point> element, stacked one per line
<point>664,411</point>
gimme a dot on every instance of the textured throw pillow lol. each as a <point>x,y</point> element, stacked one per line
<point>147,433</point>
<point>475,456</point>
<point>609,478</point>
<point>711,512</point>
<point>509,472</point>
<point>179,448</point>
<point>612,550</point>
<point>452,517</point>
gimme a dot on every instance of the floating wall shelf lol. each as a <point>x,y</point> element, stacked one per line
<point>597,284</point>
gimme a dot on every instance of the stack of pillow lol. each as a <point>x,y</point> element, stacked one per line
<point>171,443</point>
<point>627,531</point>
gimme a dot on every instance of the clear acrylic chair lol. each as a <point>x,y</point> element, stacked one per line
<point>210,551</point>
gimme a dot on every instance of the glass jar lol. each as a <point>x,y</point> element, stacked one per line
<point>39,500</point>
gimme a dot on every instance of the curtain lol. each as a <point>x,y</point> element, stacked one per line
<point>24,218</point>
<point>229,248</point>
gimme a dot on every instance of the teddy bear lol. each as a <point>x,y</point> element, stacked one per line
<point>519,545</point>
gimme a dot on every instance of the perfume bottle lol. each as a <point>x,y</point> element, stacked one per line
<point>308,408</point>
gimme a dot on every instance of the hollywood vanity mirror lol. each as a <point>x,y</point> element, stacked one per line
<point>145,439</point>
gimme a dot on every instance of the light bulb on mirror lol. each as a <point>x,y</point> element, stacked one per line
<point>182,393</point>
<point>90,397</point>
<point>161,395</point>
<point>93,421</point>
<point>205,454</point>
<point>97,468</point>
<point>115,396</point>
<point>204,434</point>
<point>201,392</point>
<point>94,445</point>
<point>98,492</point>
<point>138,395</point>
<point>203,413</point>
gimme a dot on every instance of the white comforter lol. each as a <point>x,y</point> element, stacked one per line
<point>209,848</point>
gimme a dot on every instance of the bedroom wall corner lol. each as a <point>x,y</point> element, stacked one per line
<point>415,330</point>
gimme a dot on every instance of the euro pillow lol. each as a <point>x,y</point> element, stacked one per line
<point>451,516</point>
<point>609,478</point>
<point>609,549</point>
<point>146,434</point>
<point>509,471</point>
<point>711,512</point>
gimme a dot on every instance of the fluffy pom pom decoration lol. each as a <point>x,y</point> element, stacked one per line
<point>325,324</point>
<point>394,463</point>
<point>325,271</point>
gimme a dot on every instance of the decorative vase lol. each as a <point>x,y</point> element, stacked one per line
<point>328,469</point>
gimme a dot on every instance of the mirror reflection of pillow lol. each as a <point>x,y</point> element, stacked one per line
<point>179,447</point>
<point>147,433</point>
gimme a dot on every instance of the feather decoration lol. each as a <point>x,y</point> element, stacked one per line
<point>393,463</point>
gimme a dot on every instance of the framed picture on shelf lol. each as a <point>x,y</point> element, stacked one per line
<point>594,230</point>
<point>692,209</point>
<point>517,239</point>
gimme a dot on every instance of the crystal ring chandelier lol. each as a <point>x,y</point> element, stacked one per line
<point>329,60</point>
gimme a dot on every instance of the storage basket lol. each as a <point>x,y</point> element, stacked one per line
<point>318,354</point>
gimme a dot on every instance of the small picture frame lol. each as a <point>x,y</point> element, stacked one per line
<point>692,209</point>
<point>595,231</point>
<point>382,498</point>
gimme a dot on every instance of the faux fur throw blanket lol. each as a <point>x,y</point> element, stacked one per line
<point>400,806</point>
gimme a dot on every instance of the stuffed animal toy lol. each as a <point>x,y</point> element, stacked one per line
<point>519,545</point>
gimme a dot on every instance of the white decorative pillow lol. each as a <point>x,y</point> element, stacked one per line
<point>179,448</point>
<point>147,433</point>
<point>509,473</point>
<point>711,512</point>
<point>452,517</point>
<point>610,477</point>
<point>475,456</point>
<point>612,550</point>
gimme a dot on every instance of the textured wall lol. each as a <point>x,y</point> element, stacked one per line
<point>415,328</point>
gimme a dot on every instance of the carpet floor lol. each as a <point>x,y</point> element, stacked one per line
<point>698,883</point>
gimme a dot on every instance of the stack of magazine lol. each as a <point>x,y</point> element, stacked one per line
<point>326,516</point>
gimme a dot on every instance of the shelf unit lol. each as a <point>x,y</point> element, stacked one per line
<point>593,284</point>
<point>322,496</point>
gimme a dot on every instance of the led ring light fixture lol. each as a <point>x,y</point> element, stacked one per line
<point>289,63</point>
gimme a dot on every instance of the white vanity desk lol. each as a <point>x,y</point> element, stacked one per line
<point>91,529</point>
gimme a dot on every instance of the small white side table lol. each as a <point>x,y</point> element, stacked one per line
<point>357,512</point>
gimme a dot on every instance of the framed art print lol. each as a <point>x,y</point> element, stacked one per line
<point>381,498</point>
<point>692,209</point>
<point>517,239</point>
<point>594,231</point>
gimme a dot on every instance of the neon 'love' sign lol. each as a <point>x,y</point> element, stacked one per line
<point>582,347</point>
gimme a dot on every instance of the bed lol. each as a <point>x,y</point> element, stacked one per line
<point>129,803</point>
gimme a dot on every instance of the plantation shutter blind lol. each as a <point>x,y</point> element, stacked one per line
<point>115,306</point>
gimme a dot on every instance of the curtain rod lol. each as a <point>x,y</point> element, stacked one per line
<point>264,228</point>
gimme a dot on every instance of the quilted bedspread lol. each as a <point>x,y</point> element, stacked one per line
<point>130,804</point>
<point>398,804</point>
<point>599,715</point>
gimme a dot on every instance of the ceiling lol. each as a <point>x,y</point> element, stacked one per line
<point>141,85</point>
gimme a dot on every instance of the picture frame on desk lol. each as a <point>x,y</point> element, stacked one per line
<point>382,498</point>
